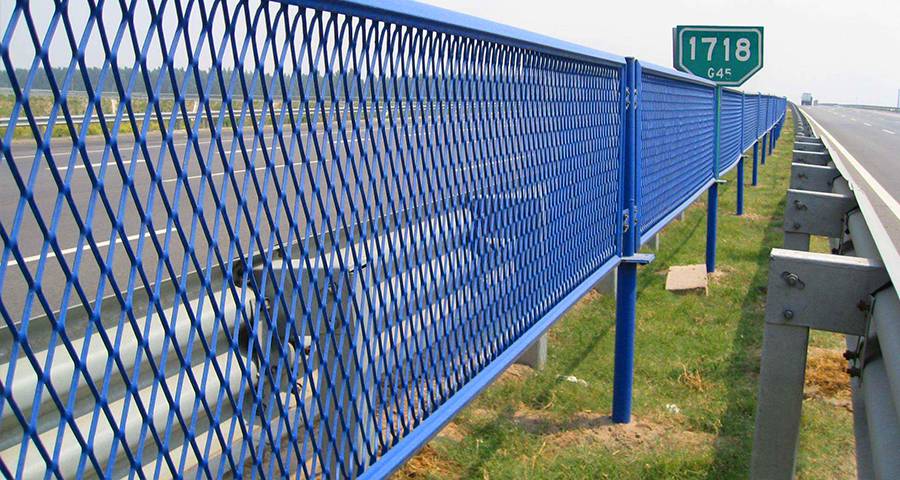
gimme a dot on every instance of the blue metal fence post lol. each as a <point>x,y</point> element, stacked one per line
<point>763,147</point>
<point>626,309</point>
<point>740,186</point>
<point>712,212</point>
<point>626,294</point>
<point>755,162</point>
<point>712,208</point>
<point>740,165</point>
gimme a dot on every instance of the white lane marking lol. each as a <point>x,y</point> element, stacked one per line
<point>65,150</point>
<point>883,241</point>
<point>69,251</point>
<point>879,190</point>
<point>867,124</point>
<point>887,131</point>
<point>219,174</point>
<point>99,150</point>
<point>111,163</point>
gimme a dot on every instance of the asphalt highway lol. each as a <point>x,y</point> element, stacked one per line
<point>873,137</point>
<point>250,187</point>
<point>870,140</point>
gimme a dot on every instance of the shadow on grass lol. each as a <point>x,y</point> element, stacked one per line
<point>682,240</point>
<point>543,395</point>
<point>731,458</point>
<point>493,435</point>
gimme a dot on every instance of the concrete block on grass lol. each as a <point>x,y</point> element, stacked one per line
<point>607,284</point>
<point>536,355</point>
<point>687,279</point>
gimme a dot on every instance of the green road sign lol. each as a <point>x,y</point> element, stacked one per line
<point>728,56</point>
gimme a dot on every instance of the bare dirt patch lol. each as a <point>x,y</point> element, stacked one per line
<point>590,296</point>
<point>595,429</point>
<point>516,373</point>
<point>693,379</point>
<point>753,217</point>
<point>452,432</point>
<point>827,378</point>
<point>428,463</point>
<point>481,415</point>
<point>722,272</point>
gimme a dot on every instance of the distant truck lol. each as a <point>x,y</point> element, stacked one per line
<point>806,99</point>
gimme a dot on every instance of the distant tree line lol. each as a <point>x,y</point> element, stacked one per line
<point>213,88</point>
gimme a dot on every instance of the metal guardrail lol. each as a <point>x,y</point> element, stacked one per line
<point>313,291</point>
<point>850,292</point>
<point>864,107</point>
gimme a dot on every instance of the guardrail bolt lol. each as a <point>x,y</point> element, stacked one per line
<point>851,355</point>
<point>792,279</point>
<point>796,225</point>
<point>853,371</point>
<point>788,313</point>
<point>863,306</point>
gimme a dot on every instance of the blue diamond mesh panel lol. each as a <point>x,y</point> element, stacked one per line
<point>730,120</point>
<point>250,237</point>
<point>677,120</point>
<point>750,107</point>
<point>772,112</point>
<point>763,116</point>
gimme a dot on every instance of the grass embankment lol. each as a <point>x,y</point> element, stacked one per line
<point>697,363</point>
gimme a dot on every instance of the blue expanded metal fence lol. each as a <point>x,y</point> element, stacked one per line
<point>730,129</point>
<point>677,153</point>
<point>748,126</point>
<point>269,238</point>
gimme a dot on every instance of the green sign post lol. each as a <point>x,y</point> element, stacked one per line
<point>728,56</point>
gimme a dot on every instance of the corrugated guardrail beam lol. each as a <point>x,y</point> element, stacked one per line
<point>847,292</point>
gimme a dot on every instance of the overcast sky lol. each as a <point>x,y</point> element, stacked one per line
<point>842,51</point>
<point>839,50</point>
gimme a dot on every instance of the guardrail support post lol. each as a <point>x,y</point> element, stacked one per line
<point>811,158</point>
<point>805,290</point>
<point>814,213</point>
<point>816,178</point>
<point>756,163</point>
<point>740,186</point>
<point>763,147</point>
<point>781,375</point>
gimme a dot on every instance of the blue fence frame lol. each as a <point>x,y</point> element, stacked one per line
<point>276,238</point>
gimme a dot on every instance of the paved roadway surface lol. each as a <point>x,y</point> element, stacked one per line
<point>872,139</point>
<point>395,181</point>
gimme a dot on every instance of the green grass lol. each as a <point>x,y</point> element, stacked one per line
<point>698,353</point>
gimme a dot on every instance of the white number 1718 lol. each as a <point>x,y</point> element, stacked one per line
<point>741,51</point>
